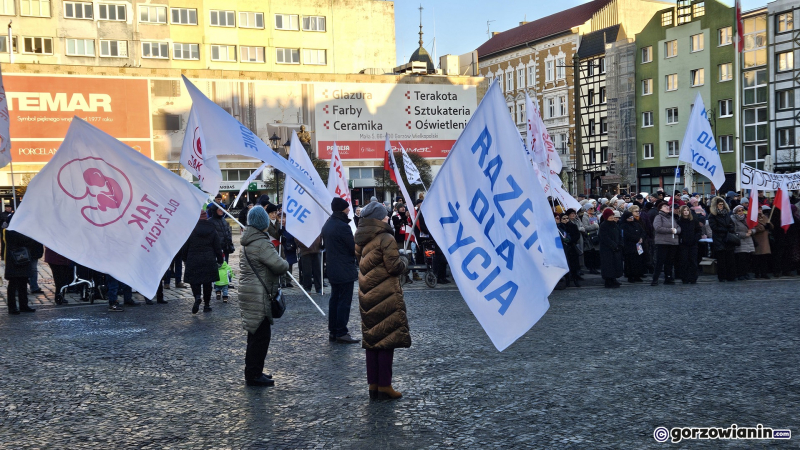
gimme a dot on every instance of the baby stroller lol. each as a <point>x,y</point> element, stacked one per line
<point>429,251</point>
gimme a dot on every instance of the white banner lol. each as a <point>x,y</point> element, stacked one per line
<point>762,180</point>
<point>337,183</point>
<point>205,168</point>
<point>304,218</point>
<point>5,136</point>
<point>109,208</point>
<point>224,135</point>
<point>537,132</point>
<point>412,173</point>
<point>481,210</point>
<point>699,148</point>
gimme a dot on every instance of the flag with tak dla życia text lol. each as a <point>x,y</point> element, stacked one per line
<point>304,218</point>
<point>205,168</point>
<point>106,206</point>
<point>699,148</point>
<point>489,216</point>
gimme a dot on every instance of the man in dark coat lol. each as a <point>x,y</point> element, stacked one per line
<point>217,217</point>
<point>202,255</point>
<point>341,252</point>
<point>18,247</point>
<point>610,249</point>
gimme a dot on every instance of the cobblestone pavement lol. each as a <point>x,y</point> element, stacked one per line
<point>602,369</point>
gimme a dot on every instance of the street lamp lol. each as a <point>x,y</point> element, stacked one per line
<point>287,146</point>
<point>274,141</point>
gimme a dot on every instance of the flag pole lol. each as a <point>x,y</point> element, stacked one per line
<point>13,188</point>
<point>287,273</point>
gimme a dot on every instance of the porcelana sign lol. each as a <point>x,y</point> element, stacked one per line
<point>761,180</point>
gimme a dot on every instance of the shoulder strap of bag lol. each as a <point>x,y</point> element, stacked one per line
<point>244,250</point>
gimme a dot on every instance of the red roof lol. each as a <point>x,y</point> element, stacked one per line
<point>538,29</point>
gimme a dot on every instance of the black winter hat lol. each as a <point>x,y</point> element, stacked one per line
<point>339,204</point>
<point>271,208</point>
<point>263,200</point>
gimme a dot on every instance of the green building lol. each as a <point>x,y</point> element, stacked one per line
<point>684,50</point>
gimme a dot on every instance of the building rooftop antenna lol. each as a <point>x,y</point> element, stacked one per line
<point>488,32</point>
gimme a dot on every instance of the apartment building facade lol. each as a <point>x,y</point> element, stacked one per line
<point>784,89</point>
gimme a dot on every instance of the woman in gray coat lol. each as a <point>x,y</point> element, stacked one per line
<point>743,253</point>
<point>261,268</point>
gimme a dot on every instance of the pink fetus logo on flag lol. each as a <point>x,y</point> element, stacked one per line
<point>105,189</point>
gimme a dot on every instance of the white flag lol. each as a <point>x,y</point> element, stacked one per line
<point>304,218</point>
<point>337,183</point>
<point>204,167</point>
<point>412,173</point>
<point>224,135</point>
<point>247,182</point>
<point>5,136</point>
<point>534,139</point>
<point>395,175</point>
<point>109,208</point>
<point>482,211</point>
<point>699,146</point>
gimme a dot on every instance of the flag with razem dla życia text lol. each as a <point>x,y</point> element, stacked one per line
<point>483,209</point>
<point>699,148</point>
<point>106,206</point>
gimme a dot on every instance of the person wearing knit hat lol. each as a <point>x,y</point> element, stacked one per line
<point>608,212</point>
<point>258,218</point>
<point>263,200</point>
<point>340,251</point>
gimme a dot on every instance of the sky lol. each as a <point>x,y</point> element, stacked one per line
<point>460,25</point>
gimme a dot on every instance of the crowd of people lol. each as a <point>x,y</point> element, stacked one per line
<point>650,235</point>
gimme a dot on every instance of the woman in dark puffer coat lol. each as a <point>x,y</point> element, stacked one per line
<point>384,325</point>
<point>202,254</point>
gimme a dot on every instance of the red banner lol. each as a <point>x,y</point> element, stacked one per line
<point>375,149</point>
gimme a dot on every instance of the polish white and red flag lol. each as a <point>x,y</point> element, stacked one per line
<point>338,184</point>
<point>782,202</point>
<point>391,165</point>
<point>752,212</point>
<point>739,27</point>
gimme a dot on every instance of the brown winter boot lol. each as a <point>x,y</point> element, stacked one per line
<point>373,391</point>
<point>387,393</point>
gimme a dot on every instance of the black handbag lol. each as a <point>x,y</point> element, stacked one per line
<point>594,238</point>
<point>277,302</point>
<point>21,256</point>
<point>732,239</point>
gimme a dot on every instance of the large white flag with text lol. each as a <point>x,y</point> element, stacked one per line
<point>482,211</point>
<point>205,168</point>
<point>106,206</point>
<point>304,217</point>
<point>337,182</point>
<point>699,148</point>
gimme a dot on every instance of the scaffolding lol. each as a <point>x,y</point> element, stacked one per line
<point>621,88</point>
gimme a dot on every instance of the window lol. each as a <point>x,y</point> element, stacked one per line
<point>673,149</point>
<point>532,76</point>
<point>4,44</point>
<point>755,41</point>
<point>671,49</point>
<point>726,72</point>
<point>647,86</point>
<point>725,36</point>
<point>80,47</point>
<point>549,73</point>
<point>785,99</point>
<point>184,16</point>
<point>252,54</point>
<point>186,51</point>
<point>152,14</point>
<point>155,50</point>
<point>223,18</point>
<point>647,119</point>
<point>520,113</point>
<point>666,19</point>
<point>520,78</point>
<point>684,14</point>
<point>251,20</point>
<point>696,43</point>
<point>35,8</point>
<point>287,56</point>
<point>672,82</point>
<point>590,97</point>
<point>603,125</point>
<point>77,10</point>
<point>726,108</point>
<point>603,154</point>
<point>754,155</point>
<point>647,151</point>
<point>286,22</point>
<point>698,77</point>
<point>562,139</point>
<point>589,68</point>
<point>114,49</point>
<point>38,45</point>
<point>726,143</point>
<point>317,57</point>
<point>562,103</point>
<point>647,54</point>
<point>601,65</point>
<point>510,109</point>
<point>755,87</point>
<point>166,88</point>
<point>592,155</point>
<point>785,137</point>
<point>672,116</point>
<point>170,122</point>
<point>509,81</point>
<point>560,69</point>
<point>755,124</point>
<point>111,12</point>
<point>551,108</point>
<point>591,127</point>
<point>313,23</point>
<point>784,22</point>
<point>223,53</point>
<point>698,9</point>
<point>602,95</point>
<point>7,8</point>
<point>785,61</point>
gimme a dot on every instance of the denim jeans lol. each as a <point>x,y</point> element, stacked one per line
<point>33,275</point>
<point>114,286</point>
<point>224,289</point>
<point>339,308</point>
